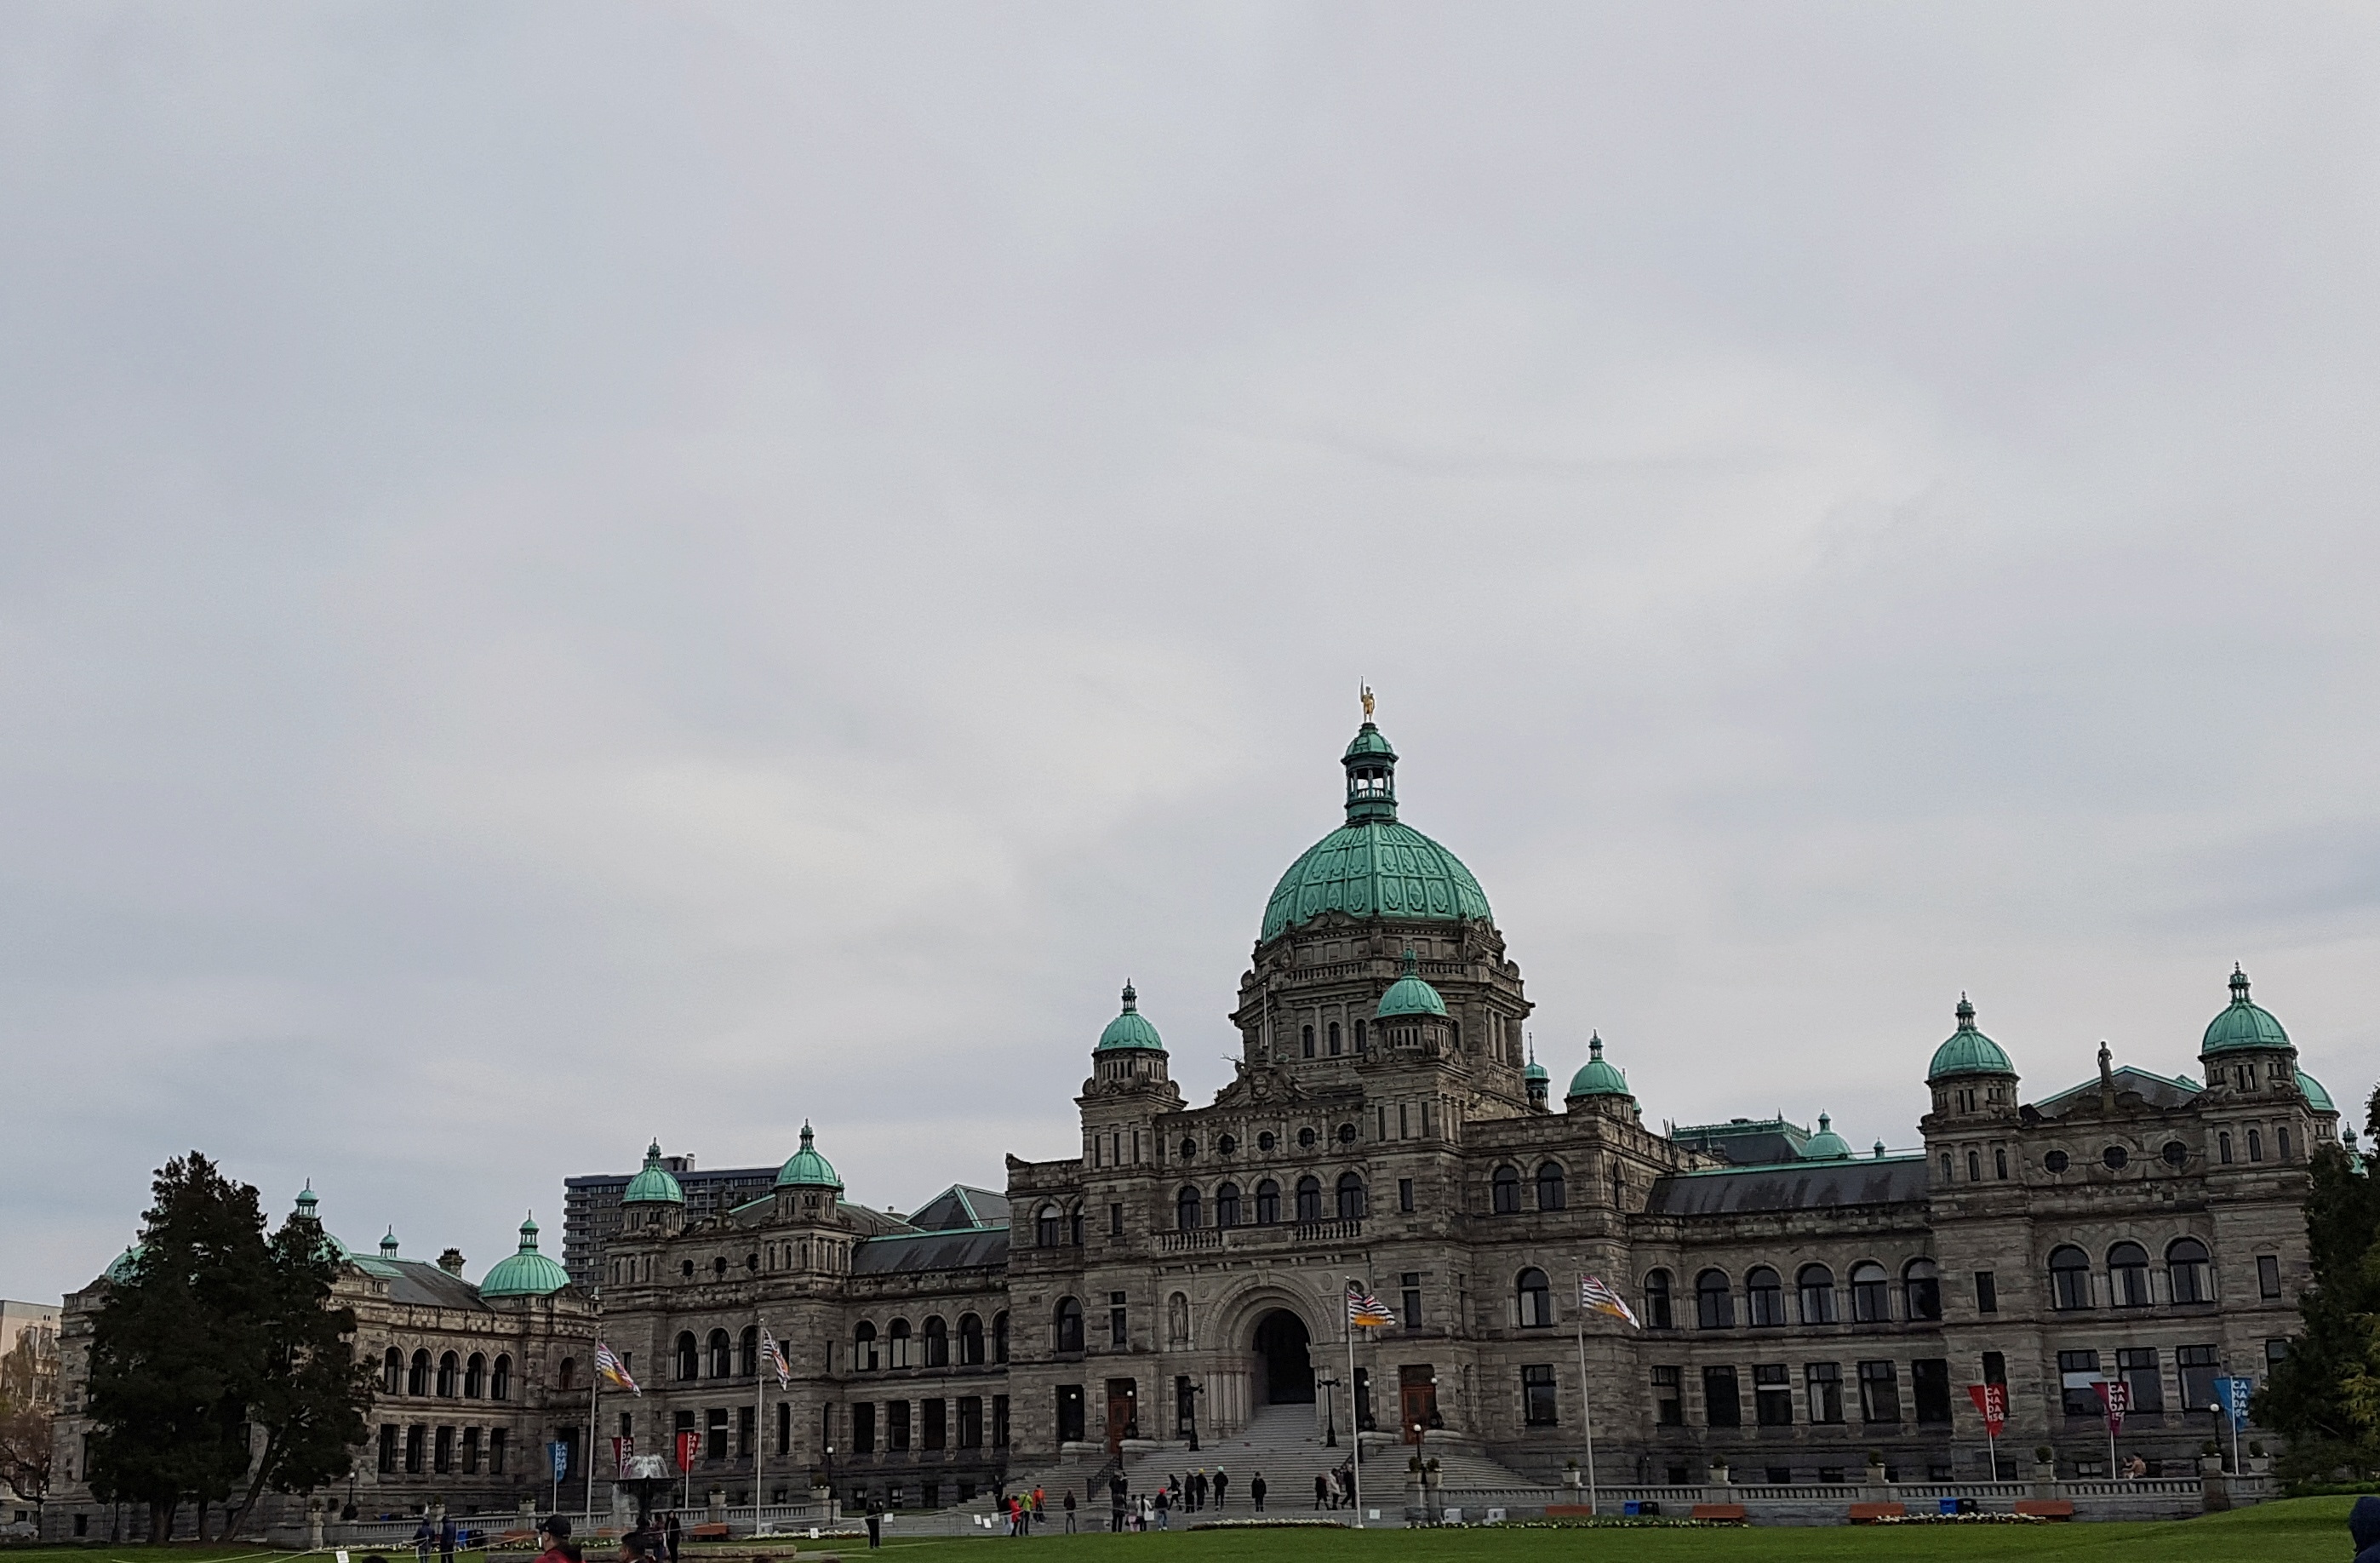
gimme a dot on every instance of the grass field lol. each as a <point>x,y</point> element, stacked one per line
<point>2298,1531</point>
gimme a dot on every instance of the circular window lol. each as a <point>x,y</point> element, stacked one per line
<point>1189,1150</point>
<point>1226,1146</point>
<point>2115,1157</point>
<point>2175,1153</point>
<point>1305,1138</point>
<point>1265,1141</point>
<point>2056,1161</point>
<point>1346,1133</point>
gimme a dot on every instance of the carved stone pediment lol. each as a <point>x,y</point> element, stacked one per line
<point>1260,1085</point>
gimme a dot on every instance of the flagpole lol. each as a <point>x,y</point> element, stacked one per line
<point>1355,1410</point>
<point>759,1417</point>
<point>1585,1407</point>
<point>594,1390</point>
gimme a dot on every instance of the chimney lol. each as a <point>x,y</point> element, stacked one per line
<point>451,1262</point>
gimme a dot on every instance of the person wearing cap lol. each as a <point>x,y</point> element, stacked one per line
<point>553,1530</point>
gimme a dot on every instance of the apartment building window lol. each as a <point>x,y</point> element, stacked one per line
<point>1772,1395</point>
<point>1722,1407</point>
<point>1668,1396</point>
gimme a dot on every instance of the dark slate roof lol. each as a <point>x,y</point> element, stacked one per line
<point>977,1249</point>
<point>961,1208</point>
<point>427,1286</point>
<point>1745,1141</point>
<point>1806,1185</point>
<point>2157,1090</point>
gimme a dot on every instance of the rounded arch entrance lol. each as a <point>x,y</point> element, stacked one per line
<point>1284,1359</point>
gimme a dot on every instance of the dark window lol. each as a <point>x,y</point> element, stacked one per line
<point>1721,1406</point>
<point>1411,1283</point>
<point>1974,1167</point>
<point>938,1343</point>
<point>2057,1161</point>
<point>1045,1227</point>
<point>1186,1210</point>
<point>388,1448</point>
<point>1504,1190</point>
<point>1227,1145</point>
<point>1536,1300</point>
<point>718,1353</point>
<point>2115,1157</point>
<point>2268,1276</point>
<point>1995,1367</point>
<point>970,1340</point>
<point>1306,1040</point>
<point>896,1344</point>
<point>1879,1392</point>
<point>1268,1202</point>
<point>863,1347</point>
<point>2281,1141</point>
<point>2199,1367</point>
<point>500,1379</point>
<point>1763,1298</point>
<point>1309,1199</point>
<point>1265,1142</point>
<point>1070,1413</point>
<point>1346,1133</point>
<point>1549,1186</point>
<point>2138,1369</point>
<point>1305,1139</point>
<point>970,1421</point>
<point>1069,1321</point>
<point>2175,1154</point>
<point>1826,1384</point>
<point>391,1373</point>
<point>417,1376</point>
<point>1871,1293</point>
<point>2077,1371</point>
<point>2274,1350</point>
<point>1119,1321</point>
<point>2127,1276</point>
<point>1226,1206</point>
<point>416,1436</point>
<point>1075,1226</point>
<point>1000,1422</point>
<point>936,1430</point>
<point>714,1434</point>
<point>896,1425</point>
<point>2255,1146</point>
<point>746,1430</point>
<point>1115,1220</point>
<point>1189,1150</point>
<point>999,1338</point>
<point>1538,1409</point>
<point>785,1428</point>
<point>495,1451</point>
<point>1987,1293</point>
<point>747,1351</point>
<point>1406,1195</point>
<point>1334,1039</point>
<point>1713,1303</point>
<point>1999,1162</point>
<point>690,1355</point>
<point>2069,1278</point>
<point>2185,1270</point>
<point>475,1377</point>
<point>1921,1288</point>
<point>1772,1395</point>
<point>1669,1397</point>
<point>2223,1148</point>
<point>1929,1387</point>
<point>1657,1312</point>
<point>1350,1196</point>
<point>1816,1284</point>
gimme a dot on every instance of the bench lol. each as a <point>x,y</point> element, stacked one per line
<point>1729,1513</point>
<point>1869,1513</point>
<point>1568,1511</point>
<point>706,1532</point>
<point>2046,1509</point>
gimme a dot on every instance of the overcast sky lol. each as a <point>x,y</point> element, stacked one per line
<point>577,573</point>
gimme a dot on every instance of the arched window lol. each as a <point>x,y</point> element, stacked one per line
<point>475,1377</point>
<point>1505,1190</point>
<point>2185,1267</point>
<point>1075,1226</point>
<point>1549,1186</point>
<point>1816,1284</point>
<point>747,1352</point>
<point>690,1355</point>
<point>391,1373</point>
<point>568,1378</point>
<point>1045,1227</point>
<point>2255,1144</point>
<point>863,1347</point>
<point>1069,1325</point>
<point>999,1338</point>
<point>970,1340</point>
<point>2069,1278</point>
<point>1974,1167</point>
<point>2223,1148</point>
<point>1360,1037</point>
<point>1871,1293</point>
<point>1268,1202</point>
<point>1536,1300</point>
<point>1185,1209</point>
<point>717,1352</point>
<point>1334,1039</point>
<point>417,1375</point>
<point>1226,1206</point>
<point>1713,1303</point>
<point>1946,1167</point>
<point>500,1379</point>
<point>896,1344</point>
<point>1658,1315</point>
<point>1921,1289</point>
<point>450,1375</point>
<point>1350,1196</point>
<point>1309,1199</point>
<point>938,1343</point>
<point>2127,1276</point>
<point>1763,1298</point>
<point>1306,1040</point>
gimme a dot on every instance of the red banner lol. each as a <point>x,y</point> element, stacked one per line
<point>1992,1400</point>
<point>2118,1400</point>
<point>623,1451</point>
<point>687,1442</point>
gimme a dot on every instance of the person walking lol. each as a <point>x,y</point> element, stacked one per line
<point>1070,1511</point>
<point>1115,1507</point>
<point>1164,1519</point>
<point>1322,1489</point>
<point>1040,1511</point>
<point>1256,1491</point>
<point>1222,1483</point>
<point>447,1539</point>
<point>875,1525</point>
<point>422,1536</point>
<point>673,1535</point>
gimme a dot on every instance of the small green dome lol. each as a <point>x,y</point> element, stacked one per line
<point>1535,1070</point>
<point>1597,1078</point>
<point>126,1267</point>
<point>1967,1051</point>
<point>1409,994</point>
<point>2317,1098</point>
<point>1129,1029</point>
<point>527,1273</point>
<point>1826,1145</point>
<point>654,1185</point>
<point>2242,1024</point>
<point>806,1168</point>
<point>309,1206</point>
<point>1369,743</point>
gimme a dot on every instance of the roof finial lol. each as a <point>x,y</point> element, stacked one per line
<point>1367,700</point>
<point>1966,1014</point>
<point>1131,999</point>
<point>1533,1045</point>
<point>2239,984</point>
<point>1594,1044</point>
<point>388,1244</point>
<point>805,1133</point>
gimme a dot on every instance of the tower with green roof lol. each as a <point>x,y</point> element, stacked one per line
<point>1970,1074</point>
<point>1599,1087</point>
<point>654,1201</point>
<point>527,1273</point>
<point>1129,1049</point>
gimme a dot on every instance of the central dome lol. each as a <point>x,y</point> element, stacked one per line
<point>1372,867</point>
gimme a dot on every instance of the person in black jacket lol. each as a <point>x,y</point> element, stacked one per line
<point>1256,1491</point>
<point>2363,1524</point>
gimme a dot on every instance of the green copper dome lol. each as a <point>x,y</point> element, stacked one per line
<point>126,1267</point>
<point>1129,1029</point>
<point>2317,1098</point>
<point>654,1185</point>
<point>309,1209</point>
<point>1409,994</point>
<point>1597,1078</point>
<point>1968,1051</point>
<point>807,1169</point>
<point>1535,1070</point>
<point>2242,1024</point>
<point>527,1273</point>
<point>1826,1145</point>
<point>1372,867</point>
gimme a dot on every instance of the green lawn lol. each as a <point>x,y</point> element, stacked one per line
<point>2300,1531</point>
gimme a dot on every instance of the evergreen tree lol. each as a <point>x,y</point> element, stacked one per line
<point>311,1394</point>
<point>2325,1394</point>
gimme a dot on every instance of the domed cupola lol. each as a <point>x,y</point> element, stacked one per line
<point>655,1184</point>
<point>1826,1145</point>
<point>1971,1073</point>
<point>1409,994</point>
<point>1129,1049</point>
<point>1597,1079</point>
<point>2243,1025</point>
<point>309,1210</point>
<point>808,1170</point>
<point>527,1273</point>
<point>1534,1080</point>
<point>1373,867</point>
<point>1410,1015</point>
<point>124,1266</point>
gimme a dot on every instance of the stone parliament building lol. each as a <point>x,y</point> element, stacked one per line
<point>1184,1266</point>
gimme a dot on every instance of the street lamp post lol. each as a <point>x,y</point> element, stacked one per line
<point>1329,1412</point>
<point>833,1512</point>
<point>1194,1390</point>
